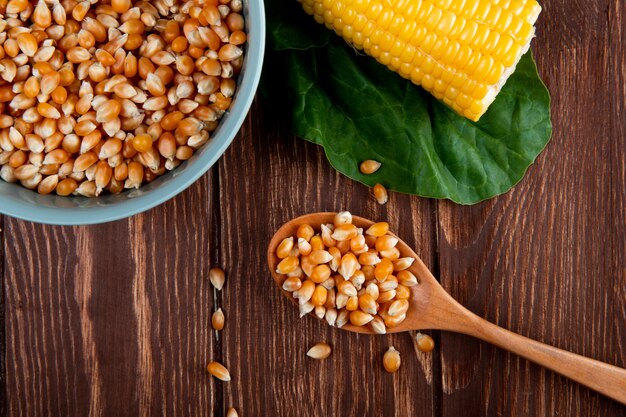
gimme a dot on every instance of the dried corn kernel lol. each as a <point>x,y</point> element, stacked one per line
<point>362,291</point>
<point>319,351</point>
<point>72,69</point>
<point>391,360</point>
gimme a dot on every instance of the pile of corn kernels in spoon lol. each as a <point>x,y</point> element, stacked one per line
<point>342,273</point>
<point>102,96</point>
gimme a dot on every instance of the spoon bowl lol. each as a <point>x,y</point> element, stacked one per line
<point>431,307</point>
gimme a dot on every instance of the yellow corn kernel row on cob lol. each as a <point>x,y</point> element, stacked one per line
<point>461,51</point>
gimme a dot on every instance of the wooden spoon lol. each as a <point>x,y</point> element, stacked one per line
<point>433,308</point>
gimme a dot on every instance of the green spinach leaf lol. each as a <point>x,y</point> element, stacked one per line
<point>357,109</point>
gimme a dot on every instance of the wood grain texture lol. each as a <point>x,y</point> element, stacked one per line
<point>114,320</point>
<point>110,320</point>
<point>264,342</point>
<point>547,259</point>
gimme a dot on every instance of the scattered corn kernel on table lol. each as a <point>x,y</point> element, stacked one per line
<point>115,319</point>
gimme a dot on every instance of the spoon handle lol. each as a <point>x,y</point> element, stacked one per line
<point>604,378</point>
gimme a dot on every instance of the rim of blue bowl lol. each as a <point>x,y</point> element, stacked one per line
<point>25,204</point>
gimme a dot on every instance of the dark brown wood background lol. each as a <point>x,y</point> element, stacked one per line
<point>114,320</point>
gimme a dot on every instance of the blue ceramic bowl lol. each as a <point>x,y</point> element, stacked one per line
<point>17,201</point>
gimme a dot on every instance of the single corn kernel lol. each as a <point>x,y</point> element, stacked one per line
<point>407,278</point>
<point>304,247</point>
<point>327,236</point>
<point>336,261</point>
<point>398,307</point>
<point>217,278</point>
<point>391,360</point>
<point>393,321</point>
<point>380,194</point>
<point>305,292</point>
<point>425,343</point>
<point>386,296</point>
<point>320,273</point>
<point>368,304</point>
<point>353,303</point>
<point>142,142</point>
<point>369,167</point>
<point>307,265</point>
<point>292,284</point>
<point>284,248</point>
<point>319,351</point>
<point>217,320</point>
<point>305,232</point>
<point>386,242</point>
<point>319,296</point>
<point>341,218</point>
<point>321,256</point>
<point>317,243</point>
<point>383,269</point>
<point>378,325</point>
<point>219,371</point>
<point>232,412</point>
<point>403,292</point>
<point>348,266</point>
<point>345,232</point>
<point>378,229</point>
<point>331,316</point>
<point>369,258</point>
<point>359,318</point>
<point>347,288</point>
<point>403,263</point>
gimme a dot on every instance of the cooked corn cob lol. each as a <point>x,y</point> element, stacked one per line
<point>461,51</point>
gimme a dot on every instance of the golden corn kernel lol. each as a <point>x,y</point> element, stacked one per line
<point>380,193</point>
<point>425,343</point>
<point>284,247</point>
<point>391,254</point>
<point>383,269</point>
<point>336,261</point>
<point>378,229</point>
<point>386,242</point>
<point>345,232</point>
<point>398,307</point>
<point>292,284</point>
<point>305,292</point>
<point>217,277</point>
<point>353,303</point>
<point>320,273</point>
<point>307,265</point>
<point>319,296</point>
<point>305,232</point>
<point>219,371</point>
<point>369,167</point>
<point>327,236</point>
<point>403,292</point>
<point>321,256</point>
<point>66,187</point>
<point>232,412</point>
<point>347,288</point>
<point>348,266</point>
<point>316,243</point>
<point>27,44</point>
<point>378,325</point>
<point>217,319</point>
<point>304,247</point>
<point>319,351</point>
<point>369,258</point>
<point>403,263</point>
<point>367,304</point>
<point>407,278</point>
<point>341,218</point>
<point>391,360</point>
<point>359,318</point>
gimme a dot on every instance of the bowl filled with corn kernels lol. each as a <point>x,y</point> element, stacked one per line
<point>109,108</point>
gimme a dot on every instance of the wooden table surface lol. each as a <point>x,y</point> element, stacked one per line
<point>114,320</point>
